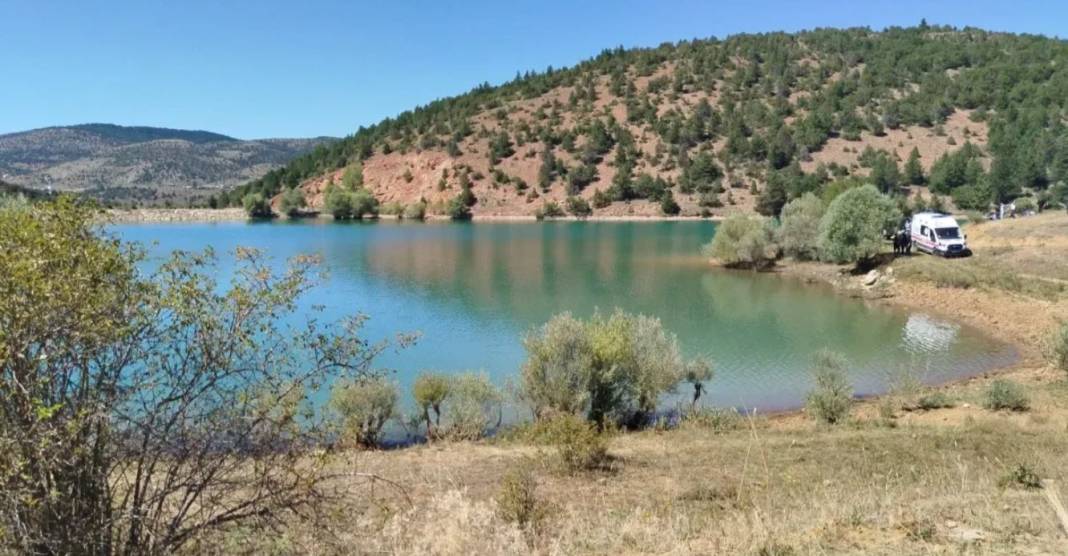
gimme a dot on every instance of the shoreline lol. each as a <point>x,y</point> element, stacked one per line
<point>1014,326</point>
<point>162,215</point>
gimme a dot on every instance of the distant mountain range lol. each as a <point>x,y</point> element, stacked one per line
<point>146,163</point>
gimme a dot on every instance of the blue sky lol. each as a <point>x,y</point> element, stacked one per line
<point>268,68</point>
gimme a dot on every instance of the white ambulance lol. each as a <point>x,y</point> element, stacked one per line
<point>938,234</point>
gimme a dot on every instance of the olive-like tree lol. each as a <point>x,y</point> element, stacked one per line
<point>612,368</point>
<point>799,231</point>
<point>744,241</point>
<point>856,222</point>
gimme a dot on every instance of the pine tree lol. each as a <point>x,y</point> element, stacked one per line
<point>913,169</point>
<point>884,173</point>
<point>547,171</point>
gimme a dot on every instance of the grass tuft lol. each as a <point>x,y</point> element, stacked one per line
<point>1021,476</point>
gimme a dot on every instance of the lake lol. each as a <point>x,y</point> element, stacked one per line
<point>473,289</point>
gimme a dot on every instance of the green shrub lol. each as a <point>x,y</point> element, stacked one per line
<point>973,197</point>
<point>612,368</point>
<point>353,177</point>
<point>292,201</point>
<point>517,499</point>
<point>744,242</point>
<point>1005,394</point>
<point>831,398</point>
<point>415,211</point>
<point>365,406</point>
<point>337,202</point>
<point>601,199</point>
<point>392,208</point>
<point>934,400</point>
<point>556,374</point>
<point>430,391</point>
<point>854,225</point>
<point>471,408</point>
<point>668,206</point>
<point>549,210</point>
<point>364,204</point>
<point>1024,204</point>
<point>1057,348</point>
<point>713,419</point>
<point>171,369</point>
<point>974,218</point>
<point>578,206</point>
<point>710,199</point>
<point>257,206</point>
<point>457,208</point>
<point>1021,476</point>
<point>799,232</point>
<point>579,447</point>
<point>836,188</point>
<point>344,204</point>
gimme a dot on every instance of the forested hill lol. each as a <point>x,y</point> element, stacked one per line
<point>715,126</point>
<point>146,165</point>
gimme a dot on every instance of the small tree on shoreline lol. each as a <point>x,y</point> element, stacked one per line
<point>853,228</point>
<point>743,241</point>
<point>613,369</point>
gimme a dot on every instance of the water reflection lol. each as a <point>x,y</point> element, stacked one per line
<point>923,334</point>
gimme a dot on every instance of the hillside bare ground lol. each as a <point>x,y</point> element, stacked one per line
<point>894,480</point>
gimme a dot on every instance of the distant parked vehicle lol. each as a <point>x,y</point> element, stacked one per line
<point>938,234</point>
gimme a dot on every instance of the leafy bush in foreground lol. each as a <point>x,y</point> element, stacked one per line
<point>465,406</point>
<point>832,397</point>
<point>612,368</point>
<point>712,419</point>
<point>517,499</point>
<point>168,385</point>
<point>1007,395</point>
<point>471,408</point>
<point>364,405</point>
<point>579,447</point>
<point>934,400</point>
<point>430,391</point>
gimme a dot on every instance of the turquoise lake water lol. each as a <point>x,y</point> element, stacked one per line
<point>472,289</point>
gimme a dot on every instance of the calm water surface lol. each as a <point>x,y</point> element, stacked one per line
<point>472,290</point>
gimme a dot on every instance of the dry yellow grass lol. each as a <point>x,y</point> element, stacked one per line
<point>779,485</point>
